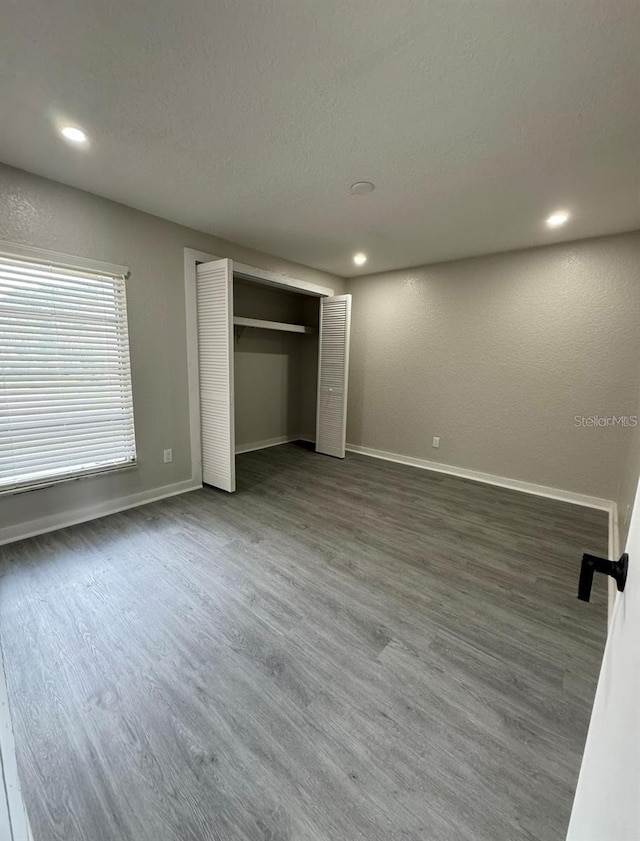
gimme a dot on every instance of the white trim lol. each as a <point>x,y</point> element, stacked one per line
<point>40,485</point>
<point>614,554</point>
<point>270,442</point>
<point>9,534</point>
<point>281,280</point>
<point>14,823</point>
<point>68,261</point>
<point>489,478</point>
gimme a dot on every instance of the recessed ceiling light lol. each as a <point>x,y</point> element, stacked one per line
<point>556,219</point>
<point>75,135</point>
<point>359,259</point>
<point>361,188</point>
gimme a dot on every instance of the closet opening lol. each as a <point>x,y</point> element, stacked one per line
<point>272,364</point>
<point>275,366</point>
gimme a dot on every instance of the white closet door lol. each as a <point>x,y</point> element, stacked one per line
<point>214,293</point>
<point>333,375</point>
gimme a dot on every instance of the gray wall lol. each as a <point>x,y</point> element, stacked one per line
<point>43,213</point>
<point>497,355</point>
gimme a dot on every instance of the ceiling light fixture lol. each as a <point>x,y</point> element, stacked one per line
<point>359,259</point>
<point>75,135</point>
<point>557,219</point>
<point>361,188</point>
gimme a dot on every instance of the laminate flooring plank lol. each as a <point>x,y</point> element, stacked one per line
<point>342,650</point>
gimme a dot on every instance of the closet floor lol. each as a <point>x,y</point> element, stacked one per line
<point>349,650</point>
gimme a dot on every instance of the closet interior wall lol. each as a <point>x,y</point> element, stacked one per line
<point>275,372</point>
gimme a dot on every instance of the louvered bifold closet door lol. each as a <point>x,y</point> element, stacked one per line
<point>214,294</point>
<point>333,375</point>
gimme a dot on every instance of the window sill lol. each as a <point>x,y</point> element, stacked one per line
<point>49,483</point>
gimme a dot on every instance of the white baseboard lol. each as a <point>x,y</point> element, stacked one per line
<point>269,442</point>
<point>9,534</point>
<point>490,479</point>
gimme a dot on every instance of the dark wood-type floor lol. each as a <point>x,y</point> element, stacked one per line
<point>354,650</point>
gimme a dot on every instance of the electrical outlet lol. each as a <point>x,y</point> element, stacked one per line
<point>436,441</point>
<point>168,456</point>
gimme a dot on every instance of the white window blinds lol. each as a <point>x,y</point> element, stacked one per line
<point>66,406</point>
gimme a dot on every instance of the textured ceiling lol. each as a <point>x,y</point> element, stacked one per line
<point>251,119</point>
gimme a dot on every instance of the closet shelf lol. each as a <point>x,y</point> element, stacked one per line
<point>240,321</point>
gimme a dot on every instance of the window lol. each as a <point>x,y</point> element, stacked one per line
<point>66,407</point>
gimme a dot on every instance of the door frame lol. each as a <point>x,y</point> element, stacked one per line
<point>280,280</point>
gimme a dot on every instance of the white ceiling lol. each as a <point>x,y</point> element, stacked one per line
<point>251,119</point>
